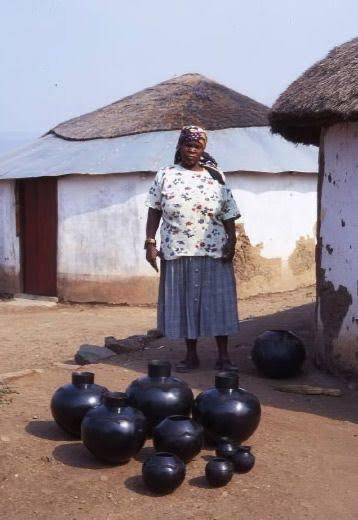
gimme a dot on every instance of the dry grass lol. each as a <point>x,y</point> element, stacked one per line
<point>323,95</point>
<point>188,99</point>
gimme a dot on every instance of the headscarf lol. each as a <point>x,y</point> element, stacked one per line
<point>196,134</point>
<point>191,134</point>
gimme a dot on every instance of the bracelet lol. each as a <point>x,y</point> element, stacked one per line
<point>149,241</point>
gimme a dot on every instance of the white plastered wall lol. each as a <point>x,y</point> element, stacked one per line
<point>338,297</point>
<point>9,242</point>
<point>102,230</point>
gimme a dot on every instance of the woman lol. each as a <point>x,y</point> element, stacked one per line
<point>197,293</point>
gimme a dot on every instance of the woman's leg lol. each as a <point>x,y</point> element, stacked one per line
<point>191,360</point>
<point>223,362</point>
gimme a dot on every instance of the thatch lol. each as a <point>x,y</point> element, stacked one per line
<point>188,99</point>
<point>327,93</point>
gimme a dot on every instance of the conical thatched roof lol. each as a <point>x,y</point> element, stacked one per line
<point>325,94</point>
<point>188,99</point>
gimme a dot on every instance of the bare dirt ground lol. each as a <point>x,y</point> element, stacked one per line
<point>306,447</point>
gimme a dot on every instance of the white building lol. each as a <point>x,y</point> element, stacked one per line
<point>321,108</point>
<point>72,213</point>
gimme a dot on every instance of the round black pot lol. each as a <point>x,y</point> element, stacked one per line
<point>114,432</point>
<point>71,402</point>
<point>219,471</point>
<point>243,459</point>
<point>227,410</point>
<point>179,435</point>
<point>163,472</point>
<point>159,395</point>
<point>225,448</point>
<point>278,353</point>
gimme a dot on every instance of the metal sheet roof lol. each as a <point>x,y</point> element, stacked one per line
<point>237,149</point>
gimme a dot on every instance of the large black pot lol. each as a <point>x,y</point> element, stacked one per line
<point>179,435</point>
<point>278,353</point>
<point>227,410</point>
<point>114,432</point>
<point>163,472</point>
<point>71,402</point>
<point>159,395</point>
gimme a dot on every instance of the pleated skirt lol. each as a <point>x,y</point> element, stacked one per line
<point>197,297</point>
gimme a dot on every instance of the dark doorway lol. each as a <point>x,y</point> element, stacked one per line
<point>38,229</point>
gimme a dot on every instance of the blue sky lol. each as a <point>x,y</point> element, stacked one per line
<point>62,58</point>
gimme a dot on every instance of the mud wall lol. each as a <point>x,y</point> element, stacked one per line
<point>337,250</point>
<point>9,242</point>
<point>276,235</point>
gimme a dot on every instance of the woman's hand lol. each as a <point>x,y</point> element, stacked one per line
<point>151,255</point>
<point>228,251</point>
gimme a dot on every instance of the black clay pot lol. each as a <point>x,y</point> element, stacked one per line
<point>163,472</point>
<point>225,448</point>
<point>114,432</point>
<point>71,402</point>
<point>179,435</point>
<point>243,459</point>
<point>278,353</point>
<point>159,395</point>
<point>227,410</point>
<point>219,471</point>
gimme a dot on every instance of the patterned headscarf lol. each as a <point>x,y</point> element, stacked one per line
<point>196,134</point>
<point>191,134</point>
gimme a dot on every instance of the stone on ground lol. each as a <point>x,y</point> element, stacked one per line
<point>88,354</point>
<point>126,345</point>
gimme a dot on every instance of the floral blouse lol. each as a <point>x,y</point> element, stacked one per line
<point>193,206</point>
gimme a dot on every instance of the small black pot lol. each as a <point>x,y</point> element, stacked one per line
<point>225,448</point>
<point>163,473</point>
<point>114,432</point>
<point>219,471</point>
<point>179,435</point>
<point>243,459</point>
<point>159,395</point>
<point>71,402</point>
<point>278,353</point>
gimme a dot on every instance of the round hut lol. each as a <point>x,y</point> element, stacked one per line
<point>321,108</point>
<point>72,212</point>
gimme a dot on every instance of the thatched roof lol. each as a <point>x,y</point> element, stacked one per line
<point>327,93</point>
<point>188,99</point>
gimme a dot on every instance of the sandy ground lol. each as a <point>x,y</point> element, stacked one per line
<point>306,447</point>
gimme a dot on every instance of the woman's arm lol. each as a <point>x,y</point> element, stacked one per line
<point>153,220</point>
<point>229,247</point>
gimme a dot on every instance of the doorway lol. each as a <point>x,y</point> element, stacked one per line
<point>38,230</point>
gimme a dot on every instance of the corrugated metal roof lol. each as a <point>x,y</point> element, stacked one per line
<point>237,149</point>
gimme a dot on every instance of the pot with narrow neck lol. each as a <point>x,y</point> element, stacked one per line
<point>115,431</point>
<point>71,402</point>
<point>159,395</point>
<point>227,411</point>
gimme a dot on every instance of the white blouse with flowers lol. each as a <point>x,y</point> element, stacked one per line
<point>193,206</point>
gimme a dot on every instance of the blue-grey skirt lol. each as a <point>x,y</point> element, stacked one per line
<point>197,297</point>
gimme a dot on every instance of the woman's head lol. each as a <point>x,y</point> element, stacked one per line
<point>191,146</point>
<point>190,151</point>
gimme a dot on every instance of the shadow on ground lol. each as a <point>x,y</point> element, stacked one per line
<point>300,320</point>
<point>47,430</point>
